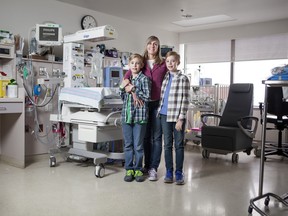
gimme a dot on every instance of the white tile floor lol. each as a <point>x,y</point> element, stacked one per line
<point>214,187</point>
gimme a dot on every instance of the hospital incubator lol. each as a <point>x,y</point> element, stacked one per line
<point>88,115</point>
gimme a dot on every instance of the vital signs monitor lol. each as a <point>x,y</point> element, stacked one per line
<point>49,34</point>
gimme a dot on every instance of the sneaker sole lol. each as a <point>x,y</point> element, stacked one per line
<point>168,181</point>
<point>152,179</point>
<point>180,183</point>
<point>128,179</point>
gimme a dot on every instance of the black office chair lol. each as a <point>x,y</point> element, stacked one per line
<point>236,128</point>
<point>277,114</point>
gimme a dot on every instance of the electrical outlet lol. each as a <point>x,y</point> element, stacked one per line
<point>42,71</point>
<point>55,72</point>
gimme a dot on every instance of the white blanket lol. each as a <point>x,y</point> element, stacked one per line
<point>86,96</point>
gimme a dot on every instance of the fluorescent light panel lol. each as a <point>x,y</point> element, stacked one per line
<point>203,20</point>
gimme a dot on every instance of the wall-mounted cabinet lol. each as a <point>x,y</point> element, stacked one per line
<point>7,60</point>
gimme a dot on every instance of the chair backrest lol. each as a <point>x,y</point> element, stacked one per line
<point>276,105</point>
<point>239,104</point>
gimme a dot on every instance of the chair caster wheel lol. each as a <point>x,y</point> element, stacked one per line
<point>196,142</point>
<point>267,200</point>
<point>235,158</point>
<point>205,154</point>
<point>250,209</point>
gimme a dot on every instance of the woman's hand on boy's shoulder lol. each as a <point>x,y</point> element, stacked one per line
<point>124,83</point>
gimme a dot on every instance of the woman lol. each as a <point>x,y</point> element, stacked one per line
<point>155,69</point>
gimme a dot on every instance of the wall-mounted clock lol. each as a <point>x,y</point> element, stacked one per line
<point>88,21</point>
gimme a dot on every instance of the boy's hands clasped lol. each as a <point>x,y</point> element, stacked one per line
<point>129,89</point>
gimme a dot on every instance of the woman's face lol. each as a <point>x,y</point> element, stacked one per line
<point>152,47</point>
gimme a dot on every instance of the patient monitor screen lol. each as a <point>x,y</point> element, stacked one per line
<point>48,33</point>
<point>114,73</point>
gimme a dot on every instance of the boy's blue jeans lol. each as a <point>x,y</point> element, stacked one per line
<point>169,132</point>
<point>133,145</point>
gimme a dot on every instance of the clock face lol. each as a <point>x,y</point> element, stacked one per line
<point>88,21</point>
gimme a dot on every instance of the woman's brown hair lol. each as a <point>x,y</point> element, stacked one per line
<point>158,58</point>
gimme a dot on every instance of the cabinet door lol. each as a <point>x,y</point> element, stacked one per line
<point>7,65</point>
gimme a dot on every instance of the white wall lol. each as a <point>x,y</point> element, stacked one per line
<point>20,16</point>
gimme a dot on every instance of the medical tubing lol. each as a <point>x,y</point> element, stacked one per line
<point>110,114</point>
<point>32,101</point>
<point>36,131</point>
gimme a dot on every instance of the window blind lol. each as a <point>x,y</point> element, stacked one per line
<point>262,48</point>
<point>208,51</point>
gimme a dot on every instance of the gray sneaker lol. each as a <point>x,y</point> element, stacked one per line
<point>152,174</point>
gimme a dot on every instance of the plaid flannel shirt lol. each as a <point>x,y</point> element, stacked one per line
<point>143,91</point>
<point>178,100</point>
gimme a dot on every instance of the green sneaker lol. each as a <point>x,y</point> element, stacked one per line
<point>129,176</point>
<point>139,177</point>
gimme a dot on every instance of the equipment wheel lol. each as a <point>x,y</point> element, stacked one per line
<point>235,158</point>
<point>99,171</point>
<point>197,142</point>
<point>52,161</point>
<point>250,209</point>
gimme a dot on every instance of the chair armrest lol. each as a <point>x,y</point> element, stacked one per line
<point>250,133</point>
<point>204,117</point>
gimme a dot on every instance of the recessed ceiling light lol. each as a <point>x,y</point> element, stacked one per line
<point>186,16</point>
<point>204,20</point>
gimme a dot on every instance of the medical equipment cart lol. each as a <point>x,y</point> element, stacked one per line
<point>282,199</point>
<point>204,99</point>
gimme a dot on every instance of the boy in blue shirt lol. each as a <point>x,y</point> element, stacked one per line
<point>174,102</point>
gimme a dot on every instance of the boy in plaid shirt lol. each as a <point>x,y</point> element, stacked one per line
<point>174,101</point>
<point>134,117</point>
